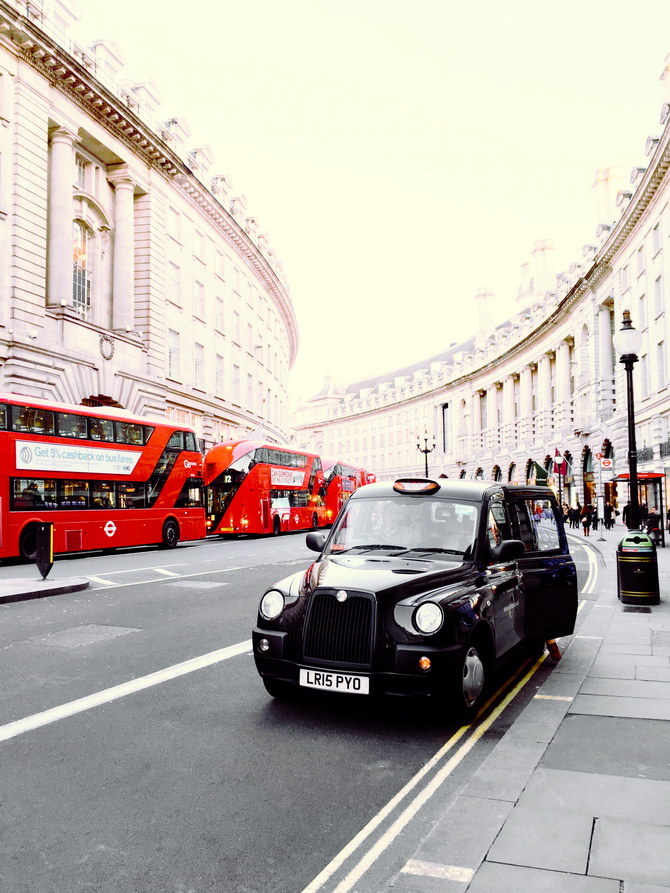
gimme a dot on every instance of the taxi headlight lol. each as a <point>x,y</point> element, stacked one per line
<point>428,618</point>
<point>272,604</point>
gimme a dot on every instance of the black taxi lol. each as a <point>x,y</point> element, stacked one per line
<point>420,589</point>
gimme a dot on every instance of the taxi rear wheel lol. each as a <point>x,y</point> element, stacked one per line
<point>470,685</point>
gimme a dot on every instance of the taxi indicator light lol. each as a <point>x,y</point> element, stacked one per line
<point>424,663</point>
<point>416,485</point>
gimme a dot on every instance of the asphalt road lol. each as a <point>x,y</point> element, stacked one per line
<point>182,775</point>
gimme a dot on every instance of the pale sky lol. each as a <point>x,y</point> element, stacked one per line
<point>402,155</point>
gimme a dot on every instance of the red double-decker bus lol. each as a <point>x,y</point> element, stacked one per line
<point>341,480</point>
<point>104,477</point>
<point>255,487</point>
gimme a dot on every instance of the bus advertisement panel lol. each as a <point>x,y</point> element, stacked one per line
<point>105,478</point>
<point>341,480</point>
<point>261,488</point>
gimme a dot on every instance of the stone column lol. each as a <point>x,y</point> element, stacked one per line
<point>563,387</point>
<point>123,277</point>
<point>545,408</point>
<point>508,413</point>
<point>606,365</point>
<point>59,217</point>
<point>526,427</point>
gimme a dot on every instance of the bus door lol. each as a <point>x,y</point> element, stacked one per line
<point>266,521</point>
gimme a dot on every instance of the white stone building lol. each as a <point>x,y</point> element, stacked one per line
<point>130,273</point>
<point>546,381</point>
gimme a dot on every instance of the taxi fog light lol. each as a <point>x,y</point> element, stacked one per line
<point>428,618</point>
<point>424,663</point>
<point>263,645</point>
<point>272,604</point>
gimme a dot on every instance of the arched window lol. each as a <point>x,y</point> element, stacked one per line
<point>81,270</point>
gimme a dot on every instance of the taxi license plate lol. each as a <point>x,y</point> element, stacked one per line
<point>346,682</point>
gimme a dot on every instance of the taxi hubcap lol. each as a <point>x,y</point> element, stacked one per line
<point>473,676</point>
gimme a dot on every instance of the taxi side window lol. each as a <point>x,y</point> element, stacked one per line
<point>497,527</point>
<point>537,525</point>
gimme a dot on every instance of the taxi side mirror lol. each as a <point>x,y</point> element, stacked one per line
<point>508,550</point>
<point>315,541</point>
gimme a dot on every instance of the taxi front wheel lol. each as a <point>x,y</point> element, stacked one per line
<point>470,684</point>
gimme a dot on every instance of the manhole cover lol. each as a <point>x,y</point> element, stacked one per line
<point>636,609</point>
<point>88,634</point>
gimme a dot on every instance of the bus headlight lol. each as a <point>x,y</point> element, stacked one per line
<point>428,618</point>
<point>272,604</point>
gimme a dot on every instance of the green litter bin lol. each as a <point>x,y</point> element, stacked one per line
<point>637,570</point>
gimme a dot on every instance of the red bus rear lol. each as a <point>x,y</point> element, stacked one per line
<point>105,478</point>
<point>261,488</point>
<point>341,481</point>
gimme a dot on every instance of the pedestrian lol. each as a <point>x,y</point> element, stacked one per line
<point>626,516</point>
<point>595,518</point>
<point>587,518</point>
<point>653,526</point>
<point>667,518</point>
<point>608,512</point>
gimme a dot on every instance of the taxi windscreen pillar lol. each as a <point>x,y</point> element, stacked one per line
<point>44,551</point>
<point>637,570</point>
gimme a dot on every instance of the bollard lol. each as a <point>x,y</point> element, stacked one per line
<point>44,550</point>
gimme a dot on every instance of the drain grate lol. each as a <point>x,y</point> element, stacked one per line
<point>88,634</point>
<point>636,609</point>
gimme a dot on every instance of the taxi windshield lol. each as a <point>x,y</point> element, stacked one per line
<point>432,527</point>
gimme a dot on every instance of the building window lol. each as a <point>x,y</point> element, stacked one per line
<point>625,279</point>
<point>173,354</point>
<point>218,322</point>
<point>644,375</point>
<point>250,338</point>
<point>250,392</point>
<point>446,434</point>
<point>173,283</point>
<point>199,245</point>
<point>80,172</point>
<point>81,271</point>
<point>219,379</point>
<point>660,362</point>
<point>656,238</point>
<point>236,327</point>
<point>199,300</point>
<point>640,260</point>
<point>173,223</point>
<point>199,366</point>
<point>642,313</point>
<point>236,384</point>
<point>658,296</point>
<point>220,265</point>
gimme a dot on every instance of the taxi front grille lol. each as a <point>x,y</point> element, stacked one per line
<point>339,631</point>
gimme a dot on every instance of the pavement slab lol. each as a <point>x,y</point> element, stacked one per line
<point>637,748</point>
<point>496,878</point>
<point>631,851</point>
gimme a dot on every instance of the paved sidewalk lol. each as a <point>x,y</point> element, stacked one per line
<point>13,589</point>
<point>576,795</point>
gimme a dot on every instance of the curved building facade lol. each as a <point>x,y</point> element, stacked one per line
<point>130,274</point>
<point>545,386</point>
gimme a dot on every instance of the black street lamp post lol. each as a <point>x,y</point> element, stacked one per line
<point>425,449</point>
<point>627,343</point>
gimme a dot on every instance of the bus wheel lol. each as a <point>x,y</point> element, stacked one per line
<point>170,534</point>
<point>315,521</point>
<point>276,526</point>
<point>28,542</point>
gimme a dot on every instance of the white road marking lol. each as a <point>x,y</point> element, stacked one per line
<point>12,729</point>
<point>162,570</point>
<point>433,869</point>
<point>112,585</point>
<point>371,856</point>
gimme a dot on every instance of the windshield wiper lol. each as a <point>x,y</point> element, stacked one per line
<point>366,547</point>
<point>436,549</point>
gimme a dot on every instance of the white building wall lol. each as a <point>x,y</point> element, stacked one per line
<point>73,151</point>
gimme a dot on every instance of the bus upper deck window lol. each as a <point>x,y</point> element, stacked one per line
<point>3,417</point>
<point>101,429</point>
<point>32,420</point>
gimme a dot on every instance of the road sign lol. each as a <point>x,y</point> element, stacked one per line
<point>599,455</point>
<point>605,463</point>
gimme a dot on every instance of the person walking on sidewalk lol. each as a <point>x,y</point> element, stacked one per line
<point>587,517</point>
<point>626,516</point>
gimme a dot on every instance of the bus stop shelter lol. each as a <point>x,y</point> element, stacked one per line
<point>650,488</point>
